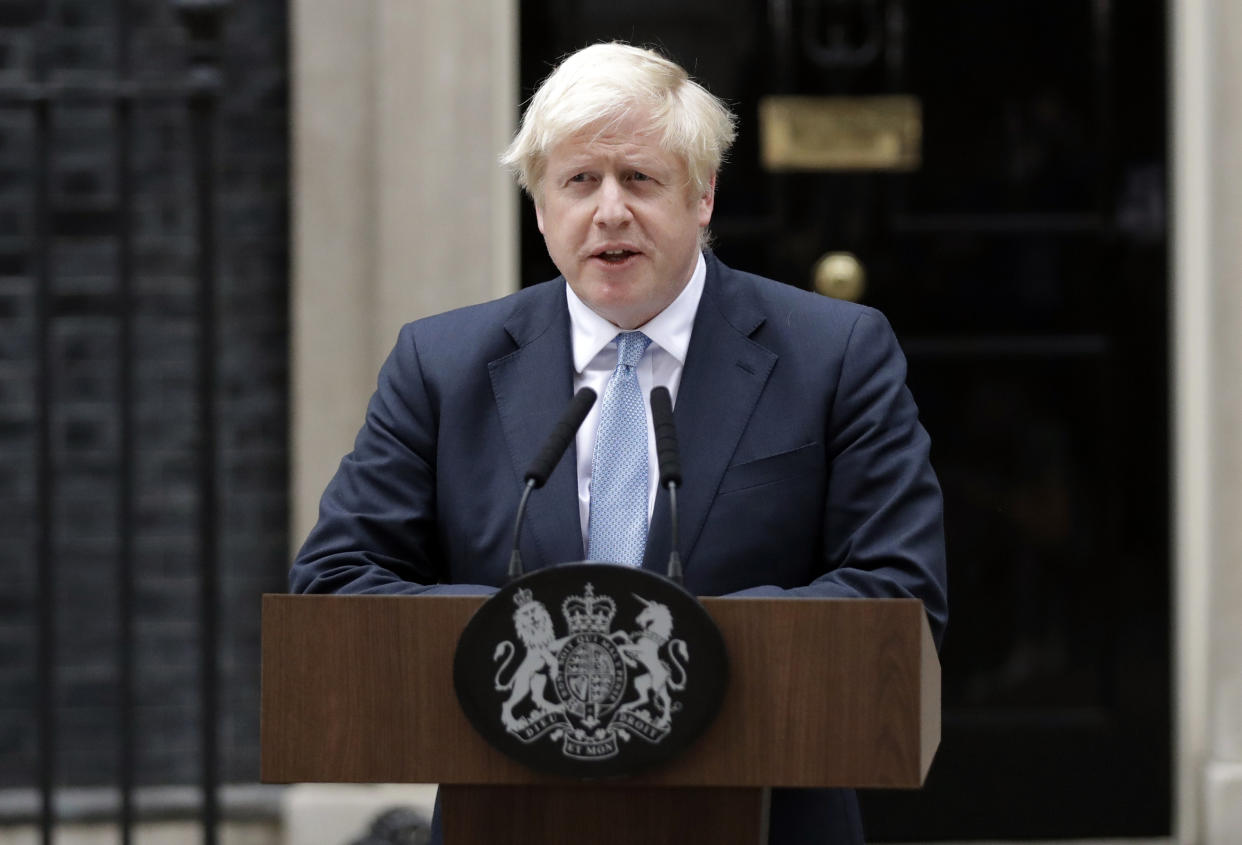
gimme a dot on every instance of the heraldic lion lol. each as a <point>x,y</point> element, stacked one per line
<point>533,625</point>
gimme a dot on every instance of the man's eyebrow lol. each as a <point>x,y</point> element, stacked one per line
<point>585,161</point>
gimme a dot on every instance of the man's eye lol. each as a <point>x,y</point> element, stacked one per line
<point>640,177</point>
<point>578,177</point>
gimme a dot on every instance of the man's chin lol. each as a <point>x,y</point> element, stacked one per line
<point>620,312</point>
<point>621,318</point>
<point>627,301</point>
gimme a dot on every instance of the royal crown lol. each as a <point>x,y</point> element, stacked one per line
<point>521,596</point>
<point>589,612</point>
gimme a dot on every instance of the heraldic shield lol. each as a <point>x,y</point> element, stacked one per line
<point>591,670</point>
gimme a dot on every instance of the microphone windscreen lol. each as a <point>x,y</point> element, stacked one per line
<point>665,436</point>
<point>558,440</point>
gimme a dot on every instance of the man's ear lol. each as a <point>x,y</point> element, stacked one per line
<point>539,216</point>
<point>707,203</point>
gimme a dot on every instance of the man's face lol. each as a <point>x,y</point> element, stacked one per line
<point>621,221</point>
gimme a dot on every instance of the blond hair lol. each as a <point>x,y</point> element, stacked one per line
<point>599,86</point>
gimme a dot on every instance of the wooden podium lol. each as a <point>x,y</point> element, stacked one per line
<point>822,693</point>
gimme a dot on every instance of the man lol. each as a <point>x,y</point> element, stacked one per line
<point>806,470</point>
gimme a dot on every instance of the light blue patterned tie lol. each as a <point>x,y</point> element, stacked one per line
<point>619,479</point>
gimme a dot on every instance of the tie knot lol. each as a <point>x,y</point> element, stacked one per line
<point>630,348</point>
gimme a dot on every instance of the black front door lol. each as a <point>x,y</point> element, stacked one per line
<point>1021,260</point>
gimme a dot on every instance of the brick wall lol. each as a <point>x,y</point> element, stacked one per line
<point>85,366</point>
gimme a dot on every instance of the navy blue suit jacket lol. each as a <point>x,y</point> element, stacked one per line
<point>806,470</point>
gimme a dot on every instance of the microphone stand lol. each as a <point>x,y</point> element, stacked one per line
<point>674,557</point>
<point>515,556</point>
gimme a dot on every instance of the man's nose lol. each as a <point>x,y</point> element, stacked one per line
<point>613,207</point>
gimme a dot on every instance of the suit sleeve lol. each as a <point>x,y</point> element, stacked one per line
<point>883,525</point>
<point>377,519</point>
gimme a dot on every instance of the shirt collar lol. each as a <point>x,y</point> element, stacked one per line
<point>670,329</point>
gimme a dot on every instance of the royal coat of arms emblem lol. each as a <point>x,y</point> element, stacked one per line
<point>585,669</point>
<point>595,686</point>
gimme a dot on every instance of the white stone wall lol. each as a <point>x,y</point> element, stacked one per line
<point>1207,358</point>
<point>1224,770</point>
<point>400,210</point>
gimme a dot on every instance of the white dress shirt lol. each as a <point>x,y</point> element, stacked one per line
<point>595,357</point>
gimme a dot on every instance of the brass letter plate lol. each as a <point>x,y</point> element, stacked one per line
<point>841,133</point>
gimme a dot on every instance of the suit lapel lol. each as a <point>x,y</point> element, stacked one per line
<point>724,375</point>
<point>532,385</point>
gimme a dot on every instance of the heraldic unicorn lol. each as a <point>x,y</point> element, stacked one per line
<point>593,687</point>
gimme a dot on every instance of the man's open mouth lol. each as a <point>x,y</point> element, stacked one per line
<point>615,256</point>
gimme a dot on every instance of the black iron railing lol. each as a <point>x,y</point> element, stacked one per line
<point>199,91</point>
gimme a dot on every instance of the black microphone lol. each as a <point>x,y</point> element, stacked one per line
<point>546,460</point>
<point>670,467</point>
<point>558,440</point>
